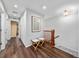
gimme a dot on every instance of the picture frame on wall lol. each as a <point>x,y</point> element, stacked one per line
<point>35,23</point>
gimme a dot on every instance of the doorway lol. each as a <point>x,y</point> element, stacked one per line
<point>14,29</point>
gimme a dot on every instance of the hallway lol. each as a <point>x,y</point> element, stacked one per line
<point>55,21</point>
<point>16,49</point>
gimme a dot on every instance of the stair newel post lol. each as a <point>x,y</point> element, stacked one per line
<point>52,43</point>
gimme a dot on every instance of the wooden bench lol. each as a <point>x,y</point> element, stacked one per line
<point>37,42</point>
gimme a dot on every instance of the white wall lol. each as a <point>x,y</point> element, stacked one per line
<point>8,27</point>
<point>3,28</point>
<point>26,33</point>
<point>3,31</point>
<point>78,31</point>
<point>4,17</point>
<point>32,35</point>
<point>66,27</point>
<point>23,28</point>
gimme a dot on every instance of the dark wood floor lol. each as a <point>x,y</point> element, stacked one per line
<point>16,49</point>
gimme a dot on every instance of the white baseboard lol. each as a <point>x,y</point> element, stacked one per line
<point>75,53</point>
<point>78,54</point>
<point>28,45</point>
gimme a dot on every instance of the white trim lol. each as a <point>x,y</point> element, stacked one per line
<point>28,45</point>
<point>75,53</point>
<point>78,54</point>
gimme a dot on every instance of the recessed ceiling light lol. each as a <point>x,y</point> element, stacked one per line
<point>16,6</point>
<point>44,7</point>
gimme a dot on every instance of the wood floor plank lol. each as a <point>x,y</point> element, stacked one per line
<point>16,49</point>
<point>33,53</point>
<point>59,52</point>
<point>63,53</point>
<point>28,53</point>
<point>48,52</point>
<point>43,54</point>
<point>39,53</point>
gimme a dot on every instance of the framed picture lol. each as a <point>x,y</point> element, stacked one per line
<point>35,24</point>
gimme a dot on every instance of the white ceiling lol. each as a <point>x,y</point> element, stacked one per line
<point>52,6</point>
